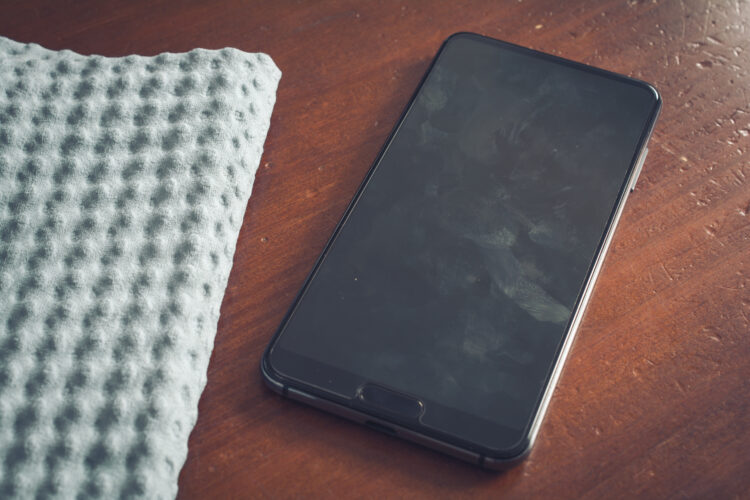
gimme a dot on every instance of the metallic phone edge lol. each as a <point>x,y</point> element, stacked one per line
<point>583,304</point>
<point>446,448</point>
<point>367,420</point>
<point>338,409</point>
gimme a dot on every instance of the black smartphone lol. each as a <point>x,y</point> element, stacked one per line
<point>443,306</point>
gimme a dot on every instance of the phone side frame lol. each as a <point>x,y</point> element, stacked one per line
<point>278,385</point>
<point>376,423</point>
<point>441,446</point>
<point>572,332</point>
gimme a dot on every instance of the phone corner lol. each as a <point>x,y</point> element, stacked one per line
<point>268,374</point>
<point>652,91</point>
<point>459,35</point>
<point>508,459</point>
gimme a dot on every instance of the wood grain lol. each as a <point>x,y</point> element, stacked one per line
<point>655,399</point>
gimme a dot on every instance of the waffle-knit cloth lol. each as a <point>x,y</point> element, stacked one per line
<point>123,185</point>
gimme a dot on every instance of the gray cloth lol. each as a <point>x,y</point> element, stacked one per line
<point>123,185</point>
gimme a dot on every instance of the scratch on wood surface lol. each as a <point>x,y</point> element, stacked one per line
<point>666,271</point>
<point>684,22</point>
<point>705,20</point>
<point>680,387</point>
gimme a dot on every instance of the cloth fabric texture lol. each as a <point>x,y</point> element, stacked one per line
<point>123,186</point>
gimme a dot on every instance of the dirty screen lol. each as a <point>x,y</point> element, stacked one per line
<point>456,275</point>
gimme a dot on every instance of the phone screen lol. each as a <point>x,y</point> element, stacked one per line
<point>456,274</point>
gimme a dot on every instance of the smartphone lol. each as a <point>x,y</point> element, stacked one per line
<point>444,304</point>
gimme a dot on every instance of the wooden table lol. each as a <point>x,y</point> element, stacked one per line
<point>655,399</point>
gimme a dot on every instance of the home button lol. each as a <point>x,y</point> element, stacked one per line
<point>389,401</point>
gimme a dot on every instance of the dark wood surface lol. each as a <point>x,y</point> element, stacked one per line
<point>655,398</point>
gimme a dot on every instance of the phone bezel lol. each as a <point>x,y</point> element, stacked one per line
<point>487,456</point>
